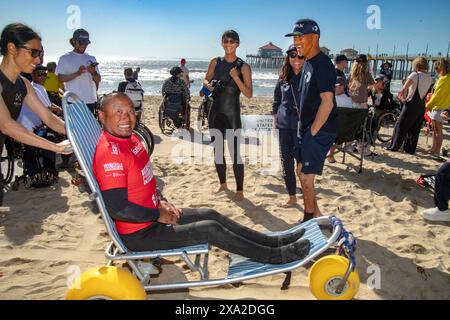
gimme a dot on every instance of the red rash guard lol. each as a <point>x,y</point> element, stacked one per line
<point>124,163</point>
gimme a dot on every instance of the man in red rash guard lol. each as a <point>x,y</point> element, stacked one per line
<point>146,221</point>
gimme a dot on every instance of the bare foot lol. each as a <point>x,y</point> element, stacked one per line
<point>223,187</point>
<point>331,159</point>
<point>291,202</point>
<point>239,196</point>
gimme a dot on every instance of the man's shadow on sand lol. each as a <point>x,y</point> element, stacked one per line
<point>384,184</point>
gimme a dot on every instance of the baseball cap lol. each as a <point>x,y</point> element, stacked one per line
<point>340,57</point>
<point>340,81</point>
<point>304,26</point>
<point>291,48</point>
<point>81,36</point>
<point>379,78</point>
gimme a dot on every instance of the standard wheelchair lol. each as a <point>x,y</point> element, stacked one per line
<point>7,161</point>
<point>174,113</point>
<point>39,166</point>
<point>381,124</point>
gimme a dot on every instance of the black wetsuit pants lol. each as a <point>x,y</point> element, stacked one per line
<point>442,187</point>
<point>199,226</point>
<point>220,124</point>
<point>288,140</point>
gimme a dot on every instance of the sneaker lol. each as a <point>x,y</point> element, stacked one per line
<point>434,214</point>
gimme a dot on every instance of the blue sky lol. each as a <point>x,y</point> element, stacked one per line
<point>173,29</point>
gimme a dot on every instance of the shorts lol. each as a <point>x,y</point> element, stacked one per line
<point>312,151</point>
<point>436,115</point>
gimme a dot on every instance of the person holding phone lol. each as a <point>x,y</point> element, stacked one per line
<point>79,71</point>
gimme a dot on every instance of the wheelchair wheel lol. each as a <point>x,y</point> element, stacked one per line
<point>187,118</point>
<point>386,124</point>
<point>106,283</point>
<point>161,118</point>
<point>325,276</point>
<point>7,162</point>
<point>146,137</point>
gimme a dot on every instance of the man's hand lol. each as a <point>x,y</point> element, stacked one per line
<point>81,70</point>
<point>168,214</point>
<point>91,70</point>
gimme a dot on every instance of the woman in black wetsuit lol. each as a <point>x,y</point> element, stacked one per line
<point>225,113</point>
<point>21,49</point>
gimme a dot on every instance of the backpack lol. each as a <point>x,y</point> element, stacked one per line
<point>135,92</point>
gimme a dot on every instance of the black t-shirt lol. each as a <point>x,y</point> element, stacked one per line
<point>318,76</point>
<point>340,73</point>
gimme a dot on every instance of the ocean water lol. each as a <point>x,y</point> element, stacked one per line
<point>155,72</point>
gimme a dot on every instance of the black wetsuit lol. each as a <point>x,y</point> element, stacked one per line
<point>13,95</point>
<point>225,113</point>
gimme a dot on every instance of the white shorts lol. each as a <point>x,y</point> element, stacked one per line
<point>436,115</point>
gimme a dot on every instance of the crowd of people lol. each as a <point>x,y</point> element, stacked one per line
<point>307,96</point>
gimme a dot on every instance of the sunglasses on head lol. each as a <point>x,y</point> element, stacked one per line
<point>294,55</point>
<point>35,53</point>
<point>229,40</point>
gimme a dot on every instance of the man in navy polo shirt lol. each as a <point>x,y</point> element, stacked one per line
<point>317,108</point>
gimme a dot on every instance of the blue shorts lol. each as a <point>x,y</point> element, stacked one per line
<point>312,151</point>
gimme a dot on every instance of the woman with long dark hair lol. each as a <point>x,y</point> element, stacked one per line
<point>21,49</point>
<point>234,76</point>
<point>285,110</point>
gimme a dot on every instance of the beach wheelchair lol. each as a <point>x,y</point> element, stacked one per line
<point>331,276</point>
<point>174,113</point>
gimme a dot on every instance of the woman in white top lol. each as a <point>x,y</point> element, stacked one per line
<point>407,128</point>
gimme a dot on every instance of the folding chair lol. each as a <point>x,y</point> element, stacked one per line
<point>351,123</point>
<point>332,277</point>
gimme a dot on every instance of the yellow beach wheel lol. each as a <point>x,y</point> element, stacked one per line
<point>326,274</point>
<point>106,283</point>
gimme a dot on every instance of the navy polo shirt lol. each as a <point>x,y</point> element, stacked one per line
<point>318,76</point>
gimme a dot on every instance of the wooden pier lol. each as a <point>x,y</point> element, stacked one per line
<point>265,62</point>
<point>401,64</point>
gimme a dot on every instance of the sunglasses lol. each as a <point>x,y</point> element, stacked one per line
<point>41,74</point>
<point>294,55</point>
<point>230,41</point>
<point>35,53</point>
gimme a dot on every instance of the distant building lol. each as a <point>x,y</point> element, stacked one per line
<point>325,50</point>
<point>270,50</point>
<point>350,53</point>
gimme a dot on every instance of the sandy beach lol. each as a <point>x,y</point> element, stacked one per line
<point>45,234</point>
